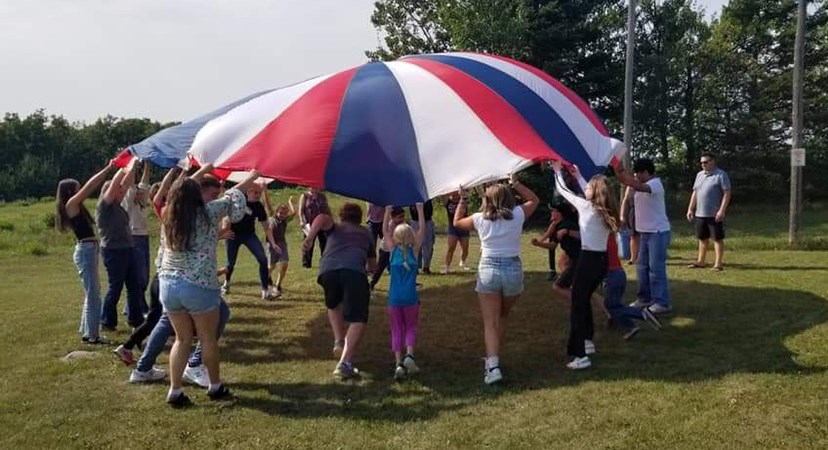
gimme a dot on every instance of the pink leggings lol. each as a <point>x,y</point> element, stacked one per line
<point>404,320</point>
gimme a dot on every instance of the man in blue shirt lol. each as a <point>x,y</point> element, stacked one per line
<point>708,208</point>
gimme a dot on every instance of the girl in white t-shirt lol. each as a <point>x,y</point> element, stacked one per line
<point>500,271</point>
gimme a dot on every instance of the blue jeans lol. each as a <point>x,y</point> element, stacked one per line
<point>427,251</point>
<point>163,330</point>
<point>652,268</point>
<point>141,254</point>
<point>86,259</point>
<point>253,244</point>
<point>621,314</point>
<point>121,270</point>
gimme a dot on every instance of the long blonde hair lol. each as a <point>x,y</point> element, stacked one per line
<point>605,201</point>
<point>404,239</point>
<point>498,202</point>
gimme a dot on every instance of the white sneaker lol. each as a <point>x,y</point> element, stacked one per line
<point>579,363</point>
<point>655,308</point>
<point>225,288</point>
<point>154,374</point>
<point>640,304</point>
<point>197,375</point>
<point>410,365</point>
<point>492,376</point>
<point>444,270</point>
<point>589,347</point>
<point>266,294</point>
<point>463,266</point>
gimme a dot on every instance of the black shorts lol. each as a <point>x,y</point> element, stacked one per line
<point>707,226</point>
<point>349,288</point>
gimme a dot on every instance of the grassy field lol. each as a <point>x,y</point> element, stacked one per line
<point>741,364</point>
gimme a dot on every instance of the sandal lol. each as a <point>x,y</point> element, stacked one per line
<point>717,268</point>
<point>696,265</point>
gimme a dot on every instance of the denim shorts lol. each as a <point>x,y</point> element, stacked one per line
<point>276,257</point>
<point>178,295</point>
<point>500,276</point>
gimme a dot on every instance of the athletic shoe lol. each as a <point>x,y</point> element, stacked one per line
<point>345,371</point>
<point>444,270</point>
<point>400,373</point>
<point>410,365</point>
<point>463,266</point>
<point>149,376</point>
<point>277,293</point>
<point>197,375</point>
<point>100,340</point>
<point>427,271</point>
<point>651,319</point>
<point>589,347</point>
<point>225,288</point>
<point>222,393</point>
<point>124,355</point>
<point>266,294</point>
<point>579,363</point>
<point>552,276</point>
<point>492,376</point>
<point>338,347</point>
<point>179,401</point>
<point>640,304</point>
<point>629,334</point>
<point>655,308</point>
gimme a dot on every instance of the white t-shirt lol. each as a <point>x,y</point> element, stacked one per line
<point>650,212</point>
<point>500,238</point>
<point>137,216</point>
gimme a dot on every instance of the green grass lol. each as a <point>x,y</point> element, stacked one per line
<point>742,363</point>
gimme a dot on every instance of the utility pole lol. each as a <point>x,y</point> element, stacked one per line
<point>628,82</point>
<point>797,152</point>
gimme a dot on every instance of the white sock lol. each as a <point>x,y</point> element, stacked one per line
<point>214,387</point>
<point>492,362</point>
<point>173,393</point>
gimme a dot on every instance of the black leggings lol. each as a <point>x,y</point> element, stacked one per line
<point>590,269</point>
<point>155,311</point>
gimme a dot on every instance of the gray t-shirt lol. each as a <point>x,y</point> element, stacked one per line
<point>348,247</point>
<point>113,225</point>
<point>710,188</point>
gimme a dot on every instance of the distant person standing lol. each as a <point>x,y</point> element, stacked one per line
<point>654,231</point>
<point>311,204</point>
<point>427,248</point>
<point>708,208</point>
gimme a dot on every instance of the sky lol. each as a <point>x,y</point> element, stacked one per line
<point>172,59</point>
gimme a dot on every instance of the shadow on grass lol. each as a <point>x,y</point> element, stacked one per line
<point>715,331</point>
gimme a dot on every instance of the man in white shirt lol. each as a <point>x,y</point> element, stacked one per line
<point>707,208</point>
<point>654,229</point>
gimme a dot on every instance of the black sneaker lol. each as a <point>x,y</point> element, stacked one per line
<point>181,401</point>
<point>222,393</point>
<point>100,340</point>
<point>629,334</point>
<point>427,271</point>
<point>552,276</point>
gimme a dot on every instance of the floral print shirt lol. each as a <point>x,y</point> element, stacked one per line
<point>198,264</point>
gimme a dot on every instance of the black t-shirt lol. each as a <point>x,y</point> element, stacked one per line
<point>428,211</point>
<point>570,245</point>
<point>254,211</point>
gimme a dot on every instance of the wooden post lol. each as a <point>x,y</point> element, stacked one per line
<point>795,220</point>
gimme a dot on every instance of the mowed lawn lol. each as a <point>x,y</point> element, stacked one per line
<point>741,363</point>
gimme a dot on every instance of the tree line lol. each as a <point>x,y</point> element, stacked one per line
<point>721,85</point>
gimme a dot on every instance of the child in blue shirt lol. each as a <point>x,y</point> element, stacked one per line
<point>403,300</point>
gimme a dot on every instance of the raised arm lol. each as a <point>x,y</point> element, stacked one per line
<point>421,229</point>
<point>461,222</point>
<point>626,179</point>
<point>625,205</point>
<point>73,204</point>
<point>531,199</point>
<point>164,189</point>
<point>118,183</point>
<point>203,170</point>
<point>270,211</point>
<point>248,182</point>
<point>292,208</point>
<point>563,189</point>
<point>302,219</point>
<point>145,176</point>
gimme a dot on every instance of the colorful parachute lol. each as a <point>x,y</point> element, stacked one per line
<point>397,132</point>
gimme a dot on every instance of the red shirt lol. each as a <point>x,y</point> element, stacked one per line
<point>614,262</point>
